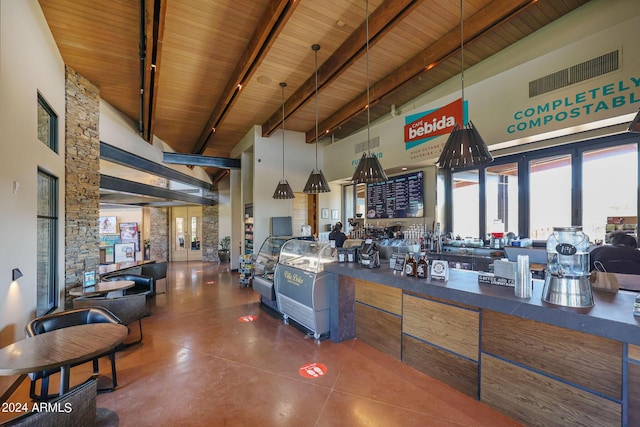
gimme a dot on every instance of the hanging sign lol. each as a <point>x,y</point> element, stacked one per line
<point>312,370</point>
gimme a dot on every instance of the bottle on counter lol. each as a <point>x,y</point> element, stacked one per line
<point>422,268</point>
<point>410,266</point>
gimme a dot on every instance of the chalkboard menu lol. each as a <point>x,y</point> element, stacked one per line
<point>402,196</point>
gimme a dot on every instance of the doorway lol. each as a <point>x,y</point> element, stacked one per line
<point>186,233</point>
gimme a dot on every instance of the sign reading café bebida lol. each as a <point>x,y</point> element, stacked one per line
<point>422,127</point>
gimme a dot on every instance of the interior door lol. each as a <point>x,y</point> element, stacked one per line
<point>186,233</point>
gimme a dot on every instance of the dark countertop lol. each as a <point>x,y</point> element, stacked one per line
<point>610,317</point>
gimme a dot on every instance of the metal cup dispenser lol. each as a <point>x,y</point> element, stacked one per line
<point>566,280</point>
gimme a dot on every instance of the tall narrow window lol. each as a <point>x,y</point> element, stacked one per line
<point>466,197</point>
<point>549,195</point>
<point>47,286</point>
<point>609,189</point>
<point>501,195</point>
<point>47,124</point>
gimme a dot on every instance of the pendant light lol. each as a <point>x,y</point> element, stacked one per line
<point>465,147</point>
<point>369,170</point>
<point>635,124</point>
<point>316,183</point>
<point>283,190</point>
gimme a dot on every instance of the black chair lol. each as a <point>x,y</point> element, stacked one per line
<point>143,284</point>
<point>128,308</point>
<point>157,270</point>
<point>64,319</point>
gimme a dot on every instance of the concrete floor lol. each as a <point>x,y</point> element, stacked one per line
<point>201,365</point>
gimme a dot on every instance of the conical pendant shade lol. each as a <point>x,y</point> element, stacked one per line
<point>635,124</point>
<point>465,147</point>
<point>369,170</point>
<point>316,183</point>
<point>283,190</point>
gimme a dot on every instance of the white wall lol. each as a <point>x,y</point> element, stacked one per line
<point>299,158</point>
<point>29,62</point>
<point>497,88</point>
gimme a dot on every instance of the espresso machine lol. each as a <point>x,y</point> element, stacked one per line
<point>566,280</point>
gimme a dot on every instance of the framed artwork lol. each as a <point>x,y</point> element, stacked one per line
<point>107,225</point>
<point>335,214</point>
<point>324,213</point>
<point>129,234</point>
<point>124,252</point>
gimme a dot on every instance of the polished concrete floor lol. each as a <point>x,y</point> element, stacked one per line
<point>202,364</point>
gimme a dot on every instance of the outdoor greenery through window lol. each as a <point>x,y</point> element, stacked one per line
<point>47,288</point>
<point>47,124</point>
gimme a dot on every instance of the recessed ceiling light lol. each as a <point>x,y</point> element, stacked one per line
<point>265,80</point>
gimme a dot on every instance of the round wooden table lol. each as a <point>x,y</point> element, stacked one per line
<point>60,348</point>
<point>102,288</point>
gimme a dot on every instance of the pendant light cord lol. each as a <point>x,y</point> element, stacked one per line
<point>367,63</point>
<point>282,85</point>
<point>316,48</point>
<point>462,55</point>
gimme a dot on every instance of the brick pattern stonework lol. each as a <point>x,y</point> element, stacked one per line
<point>159,229</point>
<point>210,238</point>
<point>82,176</point>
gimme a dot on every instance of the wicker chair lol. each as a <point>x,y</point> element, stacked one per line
<point>128,308</point>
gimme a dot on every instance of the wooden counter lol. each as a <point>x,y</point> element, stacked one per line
<point>538,363</point>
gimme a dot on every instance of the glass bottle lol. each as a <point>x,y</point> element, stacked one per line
<point>423,266</point>
<point>568,252</point>
<point>410,266</point>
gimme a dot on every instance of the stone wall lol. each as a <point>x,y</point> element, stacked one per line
<point>210,235</point>
<point>82,176</point>
<point>159,234</point>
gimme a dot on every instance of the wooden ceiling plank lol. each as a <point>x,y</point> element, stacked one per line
<point>381,21</point>
<point>275,17</point>
<point>491,15</point>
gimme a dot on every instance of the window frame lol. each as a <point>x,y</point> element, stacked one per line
<point>575,150</point>
<point>52,286</point>
<point>53,123</point>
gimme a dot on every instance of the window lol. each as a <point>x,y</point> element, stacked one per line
<point>466,197</point>
<point>47,256</point>
<point>580,184</point>
<point>549,195</point>
<point>607,175</point>
<point>47,124</point>
<point>502,197</point>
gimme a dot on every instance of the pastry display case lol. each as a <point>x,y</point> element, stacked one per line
<point>301,290</point>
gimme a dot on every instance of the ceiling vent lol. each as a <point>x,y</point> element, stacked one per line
<point>575,74</point>
<point>362,146</point>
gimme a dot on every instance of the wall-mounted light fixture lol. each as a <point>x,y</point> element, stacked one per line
<point>16,274</point>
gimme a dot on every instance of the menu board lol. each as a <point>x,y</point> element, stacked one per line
<point>402,196</point>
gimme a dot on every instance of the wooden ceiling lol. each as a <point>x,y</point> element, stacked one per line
<point>198,74</point>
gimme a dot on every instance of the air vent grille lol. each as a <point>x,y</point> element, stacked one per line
<point>362,146</point>
<point>575,74</point>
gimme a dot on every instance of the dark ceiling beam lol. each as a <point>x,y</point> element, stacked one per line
<point>125,186</point>
<point>199,160</point>
<point>484,20</point>
<point>381,21</point>
<point>154,32</point>
<point>276,16</point>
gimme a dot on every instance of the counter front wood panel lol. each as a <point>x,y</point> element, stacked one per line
<point>458,372</point>
<point>634,352</point>
<point>634,394</point>
<point>587,360</point>
<point>538,400</point>
<point>456,329</point>
<point>380,296</point>
<point>380,330</point>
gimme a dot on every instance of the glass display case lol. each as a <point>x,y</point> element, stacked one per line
<point>264,267</point>
<point>301,290</point>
